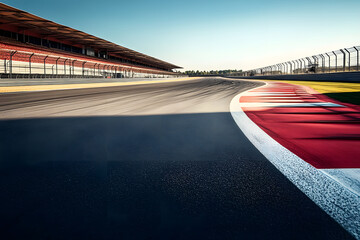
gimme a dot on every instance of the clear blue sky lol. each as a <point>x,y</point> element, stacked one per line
<point>205,35</point>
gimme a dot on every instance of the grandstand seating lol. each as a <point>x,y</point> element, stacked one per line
<point>34,46</point>
<point>33,59</point>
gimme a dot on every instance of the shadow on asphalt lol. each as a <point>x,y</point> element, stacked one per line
<point>190,176</point>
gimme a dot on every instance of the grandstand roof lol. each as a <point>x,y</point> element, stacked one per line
<point>27,21</point>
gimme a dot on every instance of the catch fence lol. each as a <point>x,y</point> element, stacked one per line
<point>342,60</point>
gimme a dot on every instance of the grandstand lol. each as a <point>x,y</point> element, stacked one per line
<point>31,46</point>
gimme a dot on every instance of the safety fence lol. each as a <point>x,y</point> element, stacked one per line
<point>30,64</point>
<point>342,60</point>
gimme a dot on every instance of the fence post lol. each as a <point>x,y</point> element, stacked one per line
<point>11,65</point>
<point>295,66</point>
<point>322,63</point>
<point>335,61</point>
<point>316,59</point>
<point>56,65</point>
<point>300,66</point>
<point>329,62</point>
<point>65,67</point>
<point>30,64</point>
<point>344,60</point>
<point>357,61</point>
<point>309,62</point>
<point>285,68</point>
<point>83,70</point>
<point>349,58</point>
<point>70,67</point>
<point>45,66</point>
<point>290,67</point>
<point>73,67</point>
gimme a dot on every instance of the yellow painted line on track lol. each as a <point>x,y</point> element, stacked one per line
<point>13,89</point>
<point>326,87</point>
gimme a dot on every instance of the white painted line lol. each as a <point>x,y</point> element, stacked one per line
<point>291,105</point>
<point>268,94</point>
<point>333,197</point>
<point>283,101</point>
<point>279,97</point>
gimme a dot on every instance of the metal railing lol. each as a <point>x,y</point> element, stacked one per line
<point>342,60</point>
<point>27,64</point>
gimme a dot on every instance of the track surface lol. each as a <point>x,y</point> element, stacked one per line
<point>160,161</point>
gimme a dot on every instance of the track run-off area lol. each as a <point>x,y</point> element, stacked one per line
<point>171,160</point>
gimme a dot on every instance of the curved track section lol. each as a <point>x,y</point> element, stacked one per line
<point>337,199</point>
<point>161,161</point>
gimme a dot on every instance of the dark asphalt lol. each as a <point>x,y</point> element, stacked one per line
<point>161,161</point>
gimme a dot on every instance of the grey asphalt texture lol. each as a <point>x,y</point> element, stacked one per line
<point>159,161</point>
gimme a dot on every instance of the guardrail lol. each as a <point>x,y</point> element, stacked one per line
<point>35,64</point>
<point>342,60</point>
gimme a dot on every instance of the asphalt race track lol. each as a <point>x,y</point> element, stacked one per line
<point>157,161</point>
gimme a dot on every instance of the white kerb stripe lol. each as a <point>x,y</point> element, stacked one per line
<point>291,105</point>
<point>333,197</point>
<point>267,94</point>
